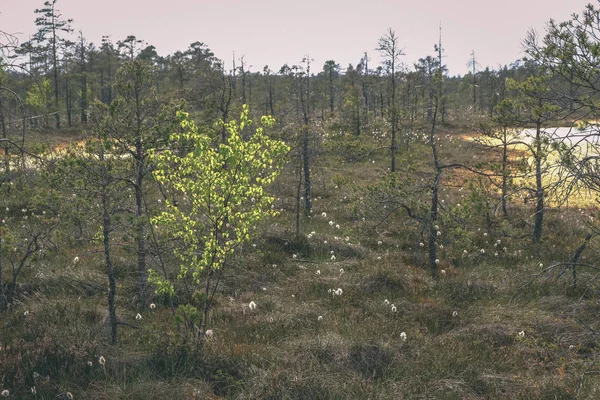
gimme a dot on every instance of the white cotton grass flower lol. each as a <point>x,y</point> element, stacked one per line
<point>337,226</point>
<point>294,256</point>
<point>318,272</point>
<point>75,260</point>
<point>252,305</point>
<point>347,239</point>
<point>320,318</point>
<point>69,395</point>
<point>541,265</point>
<point>5,393</point>
<point>394,309</point>
<point>26,313</point>
<point>330,223</point>
<point>455,314</point>
<point>324,214</point>
<point>101,360</point>
<point>33,390</point>
<point>422,244</point>
<point>333,258</point>
<point>138,316</point>
<point>482,251</point>
<point>437,262</point>
<point>338,292</point>
<point>209,333</point>
<point>522,334</point>
<point>443,271</point>
<point>403,336</point>
<point>152,306</point>
<point>386,302</point>
<point>89,363</point>
<point>378,257</point>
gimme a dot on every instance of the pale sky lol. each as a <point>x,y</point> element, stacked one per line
<point>276,32</point>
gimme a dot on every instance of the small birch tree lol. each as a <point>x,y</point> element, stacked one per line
<point>224,190</point>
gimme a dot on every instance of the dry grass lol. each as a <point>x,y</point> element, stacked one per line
<point>463,336</point>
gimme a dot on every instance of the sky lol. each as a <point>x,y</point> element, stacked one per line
<point>276,32</point>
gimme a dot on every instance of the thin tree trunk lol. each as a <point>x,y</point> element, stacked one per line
<point>298,191</point>
<point>140,238</point>
<point>84,99</point>
<point>2,294</point>
<point>393,107</point>
<point>306,168</point>
<point>539,189</point>
<point>139,203</point>
<point>68,103</point>
<point>433,215</point>
<point>6,144</point>
<point>110,271</point>
<point>306,148</point>
<point>504,174</point>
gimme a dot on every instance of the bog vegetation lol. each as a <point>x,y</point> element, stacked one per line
<point>170,228</point>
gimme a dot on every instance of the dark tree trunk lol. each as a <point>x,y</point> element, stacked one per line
<point>306,144</point>
<point>271,97</point>
<point>84,99</point>
<point>298,192</point>
<point>140,235</point>
<point>2,294</point>
<point>433,215</point>
<point>68,103</point>
<point>306,167</point>
<point>110,271</point>
<point>394,116</point>
<point>5,136</point>
<point>539,188</point>
<point>575,258</point>
<point>331,91</point>
<point>504,174</point>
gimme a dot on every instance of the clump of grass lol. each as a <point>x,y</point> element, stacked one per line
<point>371,360</point>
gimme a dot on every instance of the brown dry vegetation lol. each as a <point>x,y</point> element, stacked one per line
<point>463,336</point>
